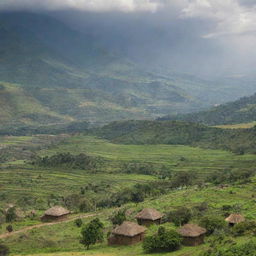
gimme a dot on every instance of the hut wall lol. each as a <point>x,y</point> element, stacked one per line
<point>49,218</point>
<point>193,241</point>
<point>148,223</point>
<point>125,240</point>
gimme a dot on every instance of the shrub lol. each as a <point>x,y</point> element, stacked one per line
<point>10,215</point>
<point>118,218</point>
<point>243,228</point>
<point>247,249</point>
<point>4,250</point>
<point>163,241</point>
<point>212,223</point>
<point>180,216</point>
<point>9,228</point>
<point>78,223</point>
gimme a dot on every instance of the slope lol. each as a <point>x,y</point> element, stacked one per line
<point>240,111</point>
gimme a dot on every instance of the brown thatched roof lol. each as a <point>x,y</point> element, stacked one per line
<point>57,211</point>
<point>149,214</point>
<point>235,218</point>
<point>129,229</point>
<point>191,230</point>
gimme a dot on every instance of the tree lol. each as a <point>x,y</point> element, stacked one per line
<point>163,241</point>
<point>180,216</point>
<point>212,223</point>
<point>78,222</point>
<point>10,214</point>
<point>118,218</point>
<point>92,233</point>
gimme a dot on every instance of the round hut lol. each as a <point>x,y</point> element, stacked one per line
<point>192,234</point>
<point>55,213</point>
<point>233,219</point>
<point>127,233</point>
<point>149,216</point>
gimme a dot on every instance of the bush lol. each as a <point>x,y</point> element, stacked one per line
<point>180,216</point>
<point>10,215</point>
<point>4,250</point>
<point>9,228</point>
<point>212,223</point>
<point>78,223</point>
<point>247,249</point>
<point>243,228</point>
<point>118,218</point>
<point>163,241</point>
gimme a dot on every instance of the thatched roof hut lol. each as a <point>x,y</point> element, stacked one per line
<point>127,233</point>
<point>55,213</point>
<point>192,234</point>
<point>233,219</point>
<point>149,216</point>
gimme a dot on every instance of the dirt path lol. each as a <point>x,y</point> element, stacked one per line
<point>47,224</point>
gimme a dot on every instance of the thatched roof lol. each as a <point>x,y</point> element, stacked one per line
<point>129,229</point>
<point>57,211</point>
<point>149,214</point>
<point>235,218</point>
<point>191,230</point>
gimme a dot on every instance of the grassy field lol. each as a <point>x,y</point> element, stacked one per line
<point>63,239</point>
<point>34,187</point>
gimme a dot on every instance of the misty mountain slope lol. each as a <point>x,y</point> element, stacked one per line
<point>240,111</point>
<point>69,74</point>
<point>16,106</point>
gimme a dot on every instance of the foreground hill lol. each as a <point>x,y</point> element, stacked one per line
<point>240,111</point>
<point>179,133</point>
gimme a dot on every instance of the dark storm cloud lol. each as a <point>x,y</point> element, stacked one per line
<point>198,36</point>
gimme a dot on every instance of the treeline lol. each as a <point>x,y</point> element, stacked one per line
<point>67,160</point>
<point>239,141</point>
<point>240,111</point>
<point>21,130</point>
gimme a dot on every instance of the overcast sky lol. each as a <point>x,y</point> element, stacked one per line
<point>216,35</point>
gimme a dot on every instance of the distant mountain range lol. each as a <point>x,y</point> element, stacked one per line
<point>240,111</point>
<point>50,73</point>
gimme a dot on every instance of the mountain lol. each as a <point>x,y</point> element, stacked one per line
<point>240,111</point>
<point>70,76</point>
<point>179,133</point>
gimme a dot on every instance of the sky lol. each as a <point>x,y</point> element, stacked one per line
<point>204,37</point>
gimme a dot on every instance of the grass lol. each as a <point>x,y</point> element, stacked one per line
<point>32,187</point>
<point>237,126</point>
<point>63,239</point>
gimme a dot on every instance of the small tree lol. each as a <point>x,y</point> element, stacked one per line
<point>163,241</point>
<point>180,216</point>
<point>78,223</point>
<point>10,214</point>
<point>92,233</point>
<point>118,218</point>
<point>212,223</point>
<point>4,250</point>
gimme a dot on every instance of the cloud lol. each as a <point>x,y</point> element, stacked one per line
<point>232,17</point>
<point>82,5</point>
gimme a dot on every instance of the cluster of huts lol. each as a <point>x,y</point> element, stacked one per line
<point>129,233</point>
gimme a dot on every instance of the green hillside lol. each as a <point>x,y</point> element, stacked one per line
<point>240,111</point>
<point>178,133</point>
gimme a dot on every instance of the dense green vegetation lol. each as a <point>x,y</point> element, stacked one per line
<point>179,133</point>
<point>240,111</point>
